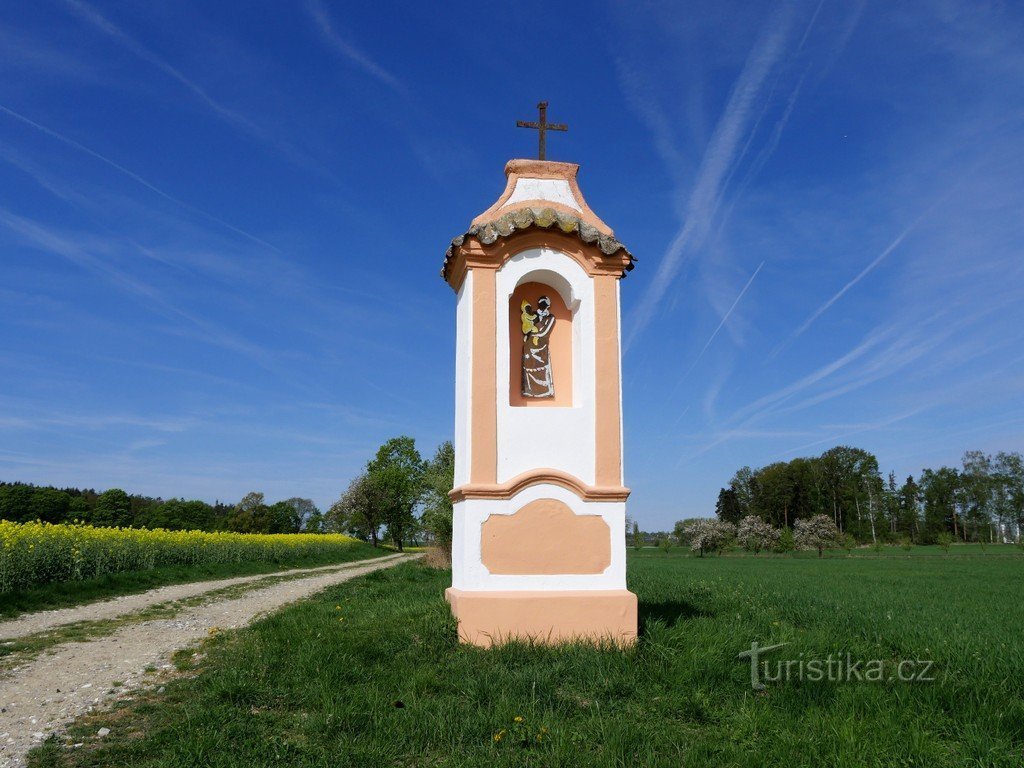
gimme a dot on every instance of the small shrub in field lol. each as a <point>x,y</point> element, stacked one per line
<point>754,534</point>
<point>848,542</point>
<point>944,540</point>
<point>818,532</point>
<point>705,535</point>
<point>906,544</point>
<point>878,546</point>
<point>638,538</point>
<point>785,542</point>
<point>665,544</point>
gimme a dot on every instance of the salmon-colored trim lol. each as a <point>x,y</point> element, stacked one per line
<point>550,617</point>
<point>508,489</point>
<point>531,541</point>
<point>560,346</point>
<point>473,254</point>
<point>607,426</point>
<point>543,169</point>
<point>483,404</point>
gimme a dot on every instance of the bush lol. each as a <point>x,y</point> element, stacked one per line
<point>665,544</point>
<point>785,542</point>
<point>944,540</point>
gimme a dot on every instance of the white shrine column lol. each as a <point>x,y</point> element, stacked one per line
<point>539,526</point>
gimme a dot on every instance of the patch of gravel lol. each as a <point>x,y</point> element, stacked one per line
<point>40,621</point>
<point>41,697</point>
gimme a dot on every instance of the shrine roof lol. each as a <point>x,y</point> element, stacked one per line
<point>541,194</point>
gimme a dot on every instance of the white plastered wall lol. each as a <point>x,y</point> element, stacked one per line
<point>555,190</point>
<point>560,438</point>
<point>463,383</point>
<point>470,574</point>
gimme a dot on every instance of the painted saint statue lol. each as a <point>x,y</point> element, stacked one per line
<point>537,380</point>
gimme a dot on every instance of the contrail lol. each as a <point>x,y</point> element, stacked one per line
<point>134,176</point>
<point>721,325</point>
<point>860,276</point>
<point>715,165</point>
<point>349,51</point>
<point>725,318</point>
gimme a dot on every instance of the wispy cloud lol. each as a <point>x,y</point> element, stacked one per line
<point>126,172</point>
<point>71,249</point>
<point>350,51</point>
<point>717,162</point>
<point>102,24</point>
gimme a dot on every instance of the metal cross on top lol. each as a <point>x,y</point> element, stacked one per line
<point>543,126</point>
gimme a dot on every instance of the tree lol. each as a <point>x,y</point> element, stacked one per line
<point>909,500</point>
<point>705,535</point>
<point>358,512</point>
<point>977,486</point>
<point>727,508</point>
<point>438,480</point>
<point>743,484</point>
<point>396,474</point>
<point>51,505</point>
<point>113,508</point>
<point>638,538</point>
<point>818,532</point>
<point>1008,471</point>
<point>302,511</point>
<point>249,515</point>
<point>280,517</point>
<point>754,534</point>
<point>939,494</point>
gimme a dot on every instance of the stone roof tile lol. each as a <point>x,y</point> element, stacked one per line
<point>525,218</point>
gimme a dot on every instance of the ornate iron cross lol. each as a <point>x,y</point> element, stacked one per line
<point>543,126</point>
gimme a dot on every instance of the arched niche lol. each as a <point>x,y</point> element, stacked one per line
<point>530,288</point>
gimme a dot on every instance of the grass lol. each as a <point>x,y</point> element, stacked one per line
<point>368,673</point>
<point>68,594</point>
<point>16,652</point>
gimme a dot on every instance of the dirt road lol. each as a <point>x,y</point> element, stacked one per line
<point>41,696</point>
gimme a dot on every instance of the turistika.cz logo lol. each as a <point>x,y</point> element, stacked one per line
<point>834,668</point>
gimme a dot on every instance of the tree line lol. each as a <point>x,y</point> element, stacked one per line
<point>982,500</point>
<point>23,502</point>
<point>398,496</point>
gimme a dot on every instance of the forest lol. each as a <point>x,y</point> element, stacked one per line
<point>982,500</point>
<point>23,502</point>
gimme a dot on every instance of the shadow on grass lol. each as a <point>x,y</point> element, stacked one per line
<point>668,613</point>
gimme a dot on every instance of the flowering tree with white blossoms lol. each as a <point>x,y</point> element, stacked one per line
<point>816,532</point>
<point>754,534</point>
<point>707,535</point>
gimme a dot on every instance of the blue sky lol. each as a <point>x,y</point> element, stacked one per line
<point>220,231</point>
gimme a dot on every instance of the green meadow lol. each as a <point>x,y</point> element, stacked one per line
<point>369,674</point>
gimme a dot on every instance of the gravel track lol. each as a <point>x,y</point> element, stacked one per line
<point>40,621</point>
<point>42,696</point>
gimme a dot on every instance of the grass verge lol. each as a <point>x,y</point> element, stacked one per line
<point>369,673</point>
<point>68,594</point>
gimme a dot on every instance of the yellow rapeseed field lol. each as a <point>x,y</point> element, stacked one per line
<point>39,553</point>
